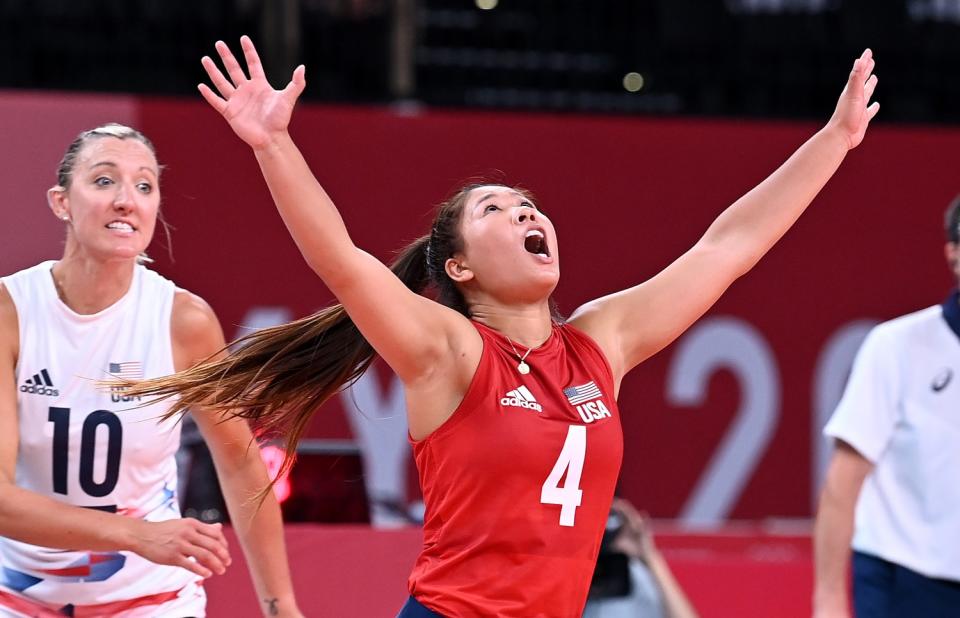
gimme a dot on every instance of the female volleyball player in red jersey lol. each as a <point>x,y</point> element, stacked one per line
<point>512,412</point>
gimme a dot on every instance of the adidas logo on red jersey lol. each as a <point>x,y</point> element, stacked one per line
<point>521,397</point>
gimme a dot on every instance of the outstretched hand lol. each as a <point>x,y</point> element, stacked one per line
<point>854,110</point>
<point>256,112</point>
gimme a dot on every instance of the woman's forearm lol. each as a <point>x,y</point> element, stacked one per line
<point>259,527</point>
<point>32,518</point>
<point>752,224</point>
<point>675,601</point>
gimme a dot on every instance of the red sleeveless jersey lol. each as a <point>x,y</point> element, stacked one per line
<point>518,483</point>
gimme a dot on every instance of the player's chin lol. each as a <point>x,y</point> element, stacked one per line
<point>543,283</point>
<point>549,273</point>
<point>125,251</point>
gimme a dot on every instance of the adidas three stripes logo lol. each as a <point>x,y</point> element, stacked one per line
<point>40,384</point>
<point>521,397</point>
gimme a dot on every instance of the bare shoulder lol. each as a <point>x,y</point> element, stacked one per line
<point>192,315</point>
<point>594,319</point>
<point>586,313</point>
<point>9,325</point>
<point>194,329</point>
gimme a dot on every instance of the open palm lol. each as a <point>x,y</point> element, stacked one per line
<point>854,110</point>
<point>253,108</point>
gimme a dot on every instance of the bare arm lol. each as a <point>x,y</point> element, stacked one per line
<point>636,323</point>
<point>33,518</point>
<point>241,471</point>
<point>636,540</point>
<point>675,601</point>
<point>833,530</point>
<point>409,331</point>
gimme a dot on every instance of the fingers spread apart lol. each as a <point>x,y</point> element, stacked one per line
<point>225,87</point>
<point>237,76</point>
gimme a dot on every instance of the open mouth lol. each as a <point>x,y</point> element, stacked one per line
<point>120,226</point>
<point>535,242</point>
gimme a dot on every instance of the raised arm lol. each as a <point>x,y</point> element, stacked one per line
<point>410,332</point>
<point>240,469</point>
<point>32,518</point>
<point>636,323</point>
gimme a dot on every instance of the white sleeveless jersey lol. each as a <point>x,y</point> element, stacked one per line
<point>91,448</point>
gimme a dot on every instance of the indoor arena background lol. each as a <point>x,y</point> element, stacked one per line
<point>721,429</point>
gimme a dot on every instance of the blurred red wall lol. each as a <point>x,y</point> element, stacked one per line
<point>721,424</point>
<point>356,572</point>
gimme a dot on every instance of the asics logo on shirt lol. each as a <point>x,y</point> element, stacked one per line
<point>941,380</point>
<point>521,397</point>
<point>39,384</point>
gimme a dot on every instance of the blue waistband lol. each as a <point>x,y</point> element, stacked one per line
<point>414,609</point>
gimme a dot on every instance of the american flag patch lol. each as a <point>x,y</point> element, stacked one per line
<point>132,370</point>
<point>585,392</point>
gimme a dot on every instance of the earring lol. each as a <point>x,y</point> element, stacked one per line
<point>65,217</point>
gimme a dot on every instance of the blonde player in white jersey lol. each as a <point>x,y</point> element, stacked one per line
<point>89,523</point>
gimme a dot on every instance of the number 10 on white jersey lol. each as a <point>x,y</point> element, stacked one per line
<point>570,461</point>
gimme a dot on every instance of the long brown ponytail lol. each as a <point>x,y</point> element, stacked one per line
<point>277,377</point>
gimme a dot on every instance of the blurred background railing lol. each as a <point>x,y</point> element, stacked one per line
<point>767,58</point>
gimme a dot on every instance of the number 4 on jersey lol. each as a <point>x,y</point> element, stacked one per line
<point>571,462</point>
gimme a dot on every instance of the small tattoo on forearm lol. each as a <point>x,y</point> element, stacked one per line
<point>272,606</point>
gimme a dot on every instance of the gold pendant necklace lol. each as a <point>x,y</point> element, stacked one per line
<point>522,367</point>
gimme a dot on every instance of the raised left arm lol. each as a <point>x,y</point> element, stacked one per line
<point>634,324</point>
<point>241,471</point>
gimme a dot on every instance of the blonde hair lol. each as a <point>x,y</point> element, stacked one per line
<point>110,129</point>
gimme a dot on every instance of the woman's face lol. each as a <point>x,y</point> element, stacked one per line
<point>113,198</point>
<point>510,247</point>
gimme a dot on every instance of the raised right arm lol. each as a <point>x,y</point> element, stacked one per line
<point>410,332</point>
<point>33,518</point>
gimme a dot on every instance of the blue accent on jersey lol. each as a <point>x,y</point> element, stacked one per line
<point>16,580</point>
<point>100,571</point>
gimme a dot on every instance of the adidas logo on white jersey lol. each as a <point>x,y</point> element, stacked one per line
<point>521,397</point>
<point>39,384</point>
